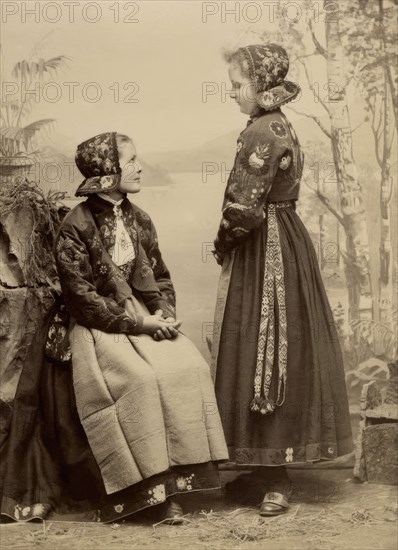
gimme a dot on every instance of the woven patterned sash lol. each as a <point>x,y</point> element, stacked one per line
<point>272,343</point>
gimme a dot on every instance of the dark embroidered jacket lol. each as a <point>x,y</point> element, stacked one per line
<point>268,167</point>
<point>94,288</point>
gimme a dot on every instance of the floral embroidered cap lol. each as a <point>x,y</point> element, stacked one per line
<point>98,161</point>
<point>268,66</point>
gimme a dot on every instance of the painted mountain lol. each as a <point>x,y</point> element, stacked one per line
<point>218,150</point>
<point>58,172</point>
<point>222,149</point>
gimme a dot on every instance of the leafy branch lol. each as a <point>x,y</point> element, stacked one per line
<point>17,137</point>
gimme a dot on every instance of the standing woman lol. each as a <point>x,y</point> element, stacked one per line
<point>125,418</point>
<point>278,366</point>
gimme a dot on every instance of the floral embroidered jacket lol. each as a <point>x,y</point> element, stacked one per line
<point>268,167</point>
<point>94,288</point>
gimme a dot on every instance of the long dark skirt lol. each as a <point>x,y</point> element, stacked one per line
<point>313,423</point>
<point>47,464</point>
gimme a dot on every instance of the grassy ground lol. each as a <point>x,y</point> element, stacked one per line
<point>328,511</point>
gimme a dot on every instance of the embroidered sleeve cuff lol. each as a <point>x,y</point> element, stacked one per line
<point>168,310</point>
<point>136,325</point>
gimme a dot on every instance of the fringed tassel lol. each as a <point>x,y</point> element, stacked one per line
<point>280,400</point>
<point>262,405</point>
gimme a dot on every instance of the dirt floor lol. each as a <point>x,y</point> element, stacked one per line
<point>328,511</point>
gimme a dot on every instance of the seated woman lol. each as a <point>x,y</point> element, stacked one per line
<point>126,417</point>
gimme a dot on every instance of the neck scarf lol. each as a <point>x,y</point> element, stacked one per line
<point>123,251</point>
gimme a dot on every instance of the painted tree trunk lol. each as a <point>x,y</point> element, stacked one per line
<point>322,242</point>
<point>357,267</point>
<point>386,291</point>
<point>322,232</point>
<point>386,286</point>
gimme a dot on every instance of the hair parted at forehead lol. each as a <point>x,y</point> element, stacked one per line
<point>237,57</point>
<point>122,138</point>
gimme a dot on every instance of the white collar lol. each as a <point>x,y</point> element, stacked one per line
<point>108,198</point>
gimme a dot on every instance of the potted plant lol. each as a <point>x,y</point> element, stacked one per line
<point>18,147</point>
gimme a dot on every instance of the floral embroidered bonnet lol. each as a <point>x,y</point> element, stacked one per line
<point>268,66</point>
<point>98,160</point>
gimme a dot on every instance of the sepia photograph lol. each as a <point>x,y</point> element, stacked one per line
<point>199,275</point>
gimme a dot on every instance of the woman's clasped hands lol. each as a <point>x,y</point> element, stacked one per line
<point>160,328</point>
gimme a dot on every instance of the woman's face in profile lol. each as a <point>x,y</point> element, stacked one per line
<point>131,168</point>
<point>243,89</point>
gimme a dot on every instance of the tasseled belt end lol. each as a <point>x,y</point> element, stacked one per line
<point>262,405</point>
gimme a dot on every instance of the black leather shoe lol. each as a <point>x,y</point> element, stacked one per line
<point>274,504</point>
<point>172,513</point>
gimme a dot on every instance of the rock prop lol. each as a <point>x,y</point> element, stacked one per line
<point>28,221</point>
<point>28,279</point>
<point>376,455</point>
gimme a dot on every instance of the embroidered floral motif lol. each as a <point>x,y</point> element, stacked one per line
<point>268,67</point>
<point>158,494</point>
<point>119,508</point>
<point>38,509</point>
<point>127,269</point>
<point>82,256</point>
<point>257,159</point>
<point>98,160</point>
<point>289,454</point>
<point>268,64</point>
<point>203,477</point>
<point>57,343</point>
<point>255,162</point>
<point>107,231</point>
<point>68,252</point>
<point>185,483</point>
<point>244,456</point>
<point>145,268</point>
<point>95,153</point>
<point>268,98</point>
<point>285,162</point>
<point>103,269</point>
<point>278,129</point>
<point>262,160</point>
<point>27,512</point>
<point>181,483</point>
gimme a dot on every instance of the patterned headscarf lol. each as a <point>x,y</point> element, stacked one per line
<point>268,66</point>
<point>98,161</point>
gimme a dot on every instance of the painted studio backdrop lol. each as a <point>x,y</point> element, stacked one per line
<point>155,71</point>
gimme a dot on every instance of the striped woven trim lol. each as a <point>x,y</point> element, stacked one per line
<point>273,289</point>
